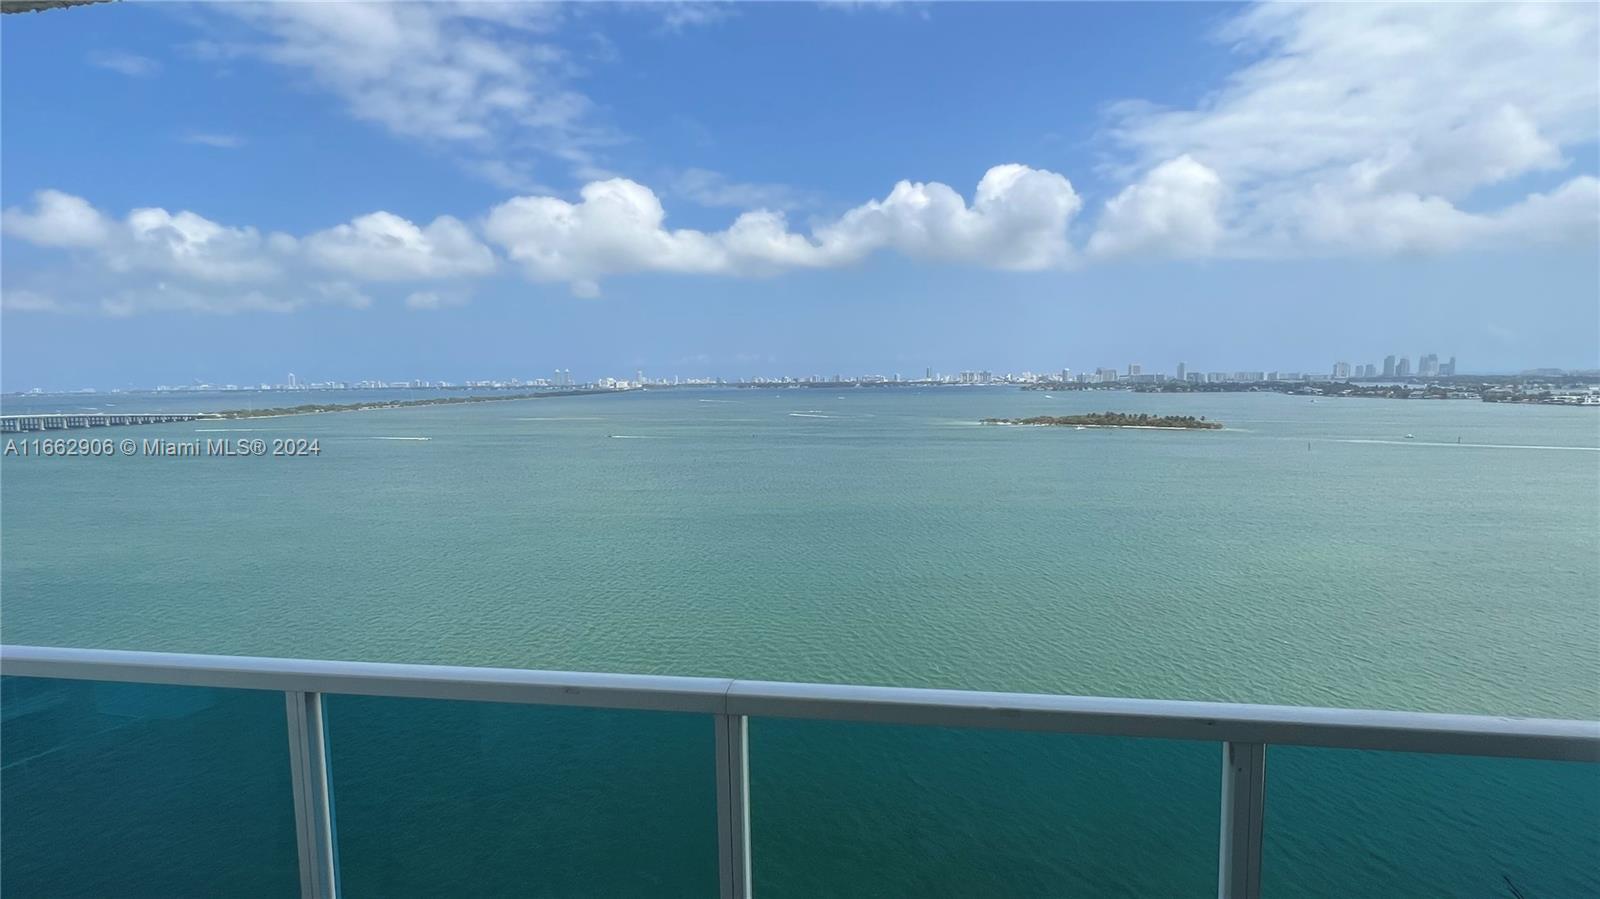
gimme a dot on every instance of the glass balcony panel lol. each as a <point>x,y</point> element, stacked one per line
<point>1343,823</point>
<point>139,790</point>
<point>846,809</point>
<point>436,798</point>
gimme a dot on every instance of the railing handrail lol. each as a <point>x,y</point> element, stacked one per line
<point>1400,731</point>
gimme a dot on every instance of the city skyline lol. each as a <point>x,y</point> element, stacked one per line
<point>1132,374</point>
<point>292,191</point>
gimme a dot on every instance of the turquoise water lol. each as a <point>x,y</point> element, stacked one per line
<point>1309,554</point>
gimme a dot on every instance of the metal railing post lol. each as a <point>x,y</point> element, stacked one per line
<point>313,799</point>
<point>1244,780</point>
<point>733,805</point>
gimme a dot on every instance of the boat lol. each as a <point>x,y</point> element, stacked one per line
<point>1080,428</point>
<point>1411,437</point>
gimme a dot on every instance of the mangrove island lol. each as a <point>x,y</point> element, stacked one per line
<point>1114,420</point>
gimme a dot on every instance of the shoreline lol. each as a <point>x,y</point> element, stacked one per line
<point>1142,421</point>
<point>319,409</point>
<point>1022,424</point>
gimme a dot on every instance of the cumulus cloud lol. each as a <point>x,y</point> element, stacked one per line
<point>1017,220</point>
<point>1347,129</point>
<point>1371,127</point>
<point>1174,209</point>
<point>385,247</point>
<point>57,220</point>
<point>153,259</point>
<point>192,245</point>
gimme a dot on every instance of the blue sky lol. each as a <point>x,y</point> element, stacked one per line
<point>226,193</point>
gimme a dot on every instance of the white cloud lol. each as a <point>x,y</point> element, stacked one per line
<point>151,239</point>
<point>58,220</point>
<point>473,77</point>
<point>679,16</point>
<point>1017,220</point>
<point>130,64</point>
<point>385,247</point>
<point>220,141</point>
<point>156,260</point>
<point>1371,128</point>
<point>192,245</point>
<point>1173,209</point>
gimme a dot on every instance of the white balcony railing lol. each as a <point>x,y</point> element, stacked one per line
<point>1243,730</point>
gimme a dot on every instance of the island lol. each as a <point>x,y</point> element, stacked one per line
<point>1114,420</point>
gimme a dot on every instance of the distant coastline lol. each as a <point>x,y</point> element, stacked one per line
<point>1113,420</point>
<point>318,408</point>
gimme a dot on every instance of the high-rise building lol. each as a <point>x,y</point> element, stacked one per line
<point>1402,369</point>
<point>1428,366</point>
<point>1341,371</point>
<point>1196,377</point>
<point>1388,366</point>
<point>1182,368</point>
<point>1448,369</point>
<point>1133,369</point>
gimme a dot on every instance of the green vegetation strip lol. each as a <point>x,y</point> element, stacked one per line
<point>314,408</point>
<point>1114,420</point>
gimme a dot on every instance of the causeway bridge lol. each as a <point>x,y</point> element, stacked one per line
<point>16,424</point>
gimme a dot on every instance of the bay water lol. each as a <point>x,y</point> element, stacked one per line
<point>1436,556</point>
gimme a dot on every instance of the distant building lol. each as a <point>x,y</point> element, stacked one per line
<point>1428,366</point>
<point>1341,371</point>
<point>1216,377</point>
<point>1133,369</point>
<point>1388,366</point>
<point>1402,369</point>
<point>1181,371</point>
<point>1196,377</point>
<point>1448,369</point>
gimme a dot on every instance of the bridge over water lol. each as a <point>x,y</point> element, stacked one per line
<point>16,424</point>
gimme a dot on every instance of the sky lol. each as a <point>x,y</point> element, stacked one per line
<point>228,192</point>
